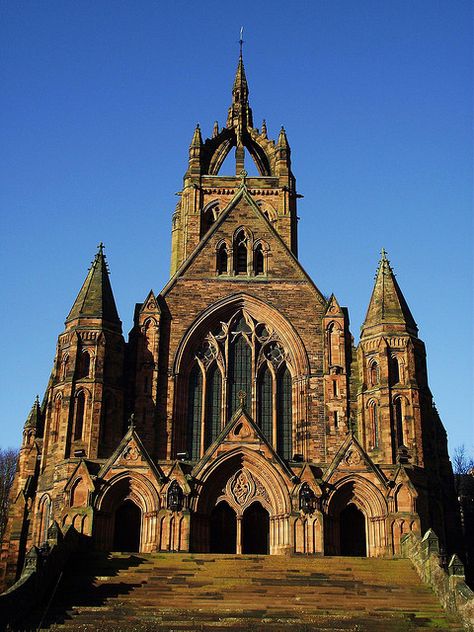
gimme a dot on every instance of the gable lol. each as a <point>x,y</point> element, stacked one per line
<point>241,432</point>
<point>243,212</point>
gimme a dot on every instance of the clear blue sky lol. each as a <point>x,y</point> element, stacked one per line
<point>99,102</point>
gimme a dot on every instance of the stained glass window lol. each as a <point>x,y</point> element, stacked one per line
<point>213,405</point>
<point>265,403</point>
<point>240,373</point>
<point>284,414</point>
<point>194,413</point>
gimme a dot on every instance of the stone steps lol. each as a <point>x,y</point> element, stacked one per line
<point>234,593</point>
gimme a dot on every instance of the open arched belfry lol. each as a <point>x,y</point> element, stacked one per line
<point>239,417</point>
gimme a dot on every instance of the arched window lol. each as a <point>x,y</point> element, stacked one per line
<point>284,414</point>
<point>374,373</point>
<point>209,216</point>
<point>394,370</point>
<point>374,430</point>
<point>193,437</point>
<point>222,259</point>
<point>334,340</point>
<point>258,260</point>
<point>240,250</point>
<point>399,420</point>
<point>56,417</point>
<point>65,367</point>
<point>265,402</point>
<point>84,364</point>
<point>79,417</point>
<point>45,520</point>
<point>213,405</point>
<point>240,370</point>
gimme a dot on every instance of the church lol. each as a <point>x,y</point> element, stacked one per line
<point>239,416</point>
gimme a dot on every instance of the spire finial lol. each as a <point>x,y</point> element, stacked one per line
<point>37,400</point>
<point>384,253</point>
<point>242,398</point>
<point>131,422</point>
<point>241,40</point>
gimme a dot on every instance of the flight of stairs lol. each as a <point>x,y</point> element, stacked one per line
<point>218,593</point>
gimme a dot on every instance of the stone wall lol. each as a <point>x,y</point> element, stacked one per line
<point>447,580</point>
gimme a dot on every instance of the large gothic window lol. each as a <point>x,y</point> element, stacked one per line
<point>213,405</point>
<point>284,413</point>
<point>194,413</point>
<point>239,356</point>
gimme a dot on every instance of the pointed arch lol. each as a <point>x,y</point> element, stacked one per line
<point>374,425</point>
<point>265,397</point>
<point>222,258</point>
<point>84,364</point>
<point>284,413</point>
<point>240,372</point>
<point>374,373</point>
<point>241,251</point>
<point>194,421</point>
<point>209,215</point>
<point>212,423</point>
<point>79,414</point>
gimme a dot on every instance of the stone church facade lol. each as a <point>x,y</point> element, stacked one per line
<point>239,417</point>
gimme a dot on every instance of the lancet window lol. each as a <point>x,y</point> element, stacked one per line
<point>374,429</point>
<point>79,417</point>
<point>240,252</point>
<point>241,362</point>
<point>398,409</point>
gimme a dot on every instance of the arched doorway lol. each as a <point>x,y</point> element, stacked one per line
<point>223,529</point>
<point>255,530</point>
<point>352,532</point>
<point>128,519</point>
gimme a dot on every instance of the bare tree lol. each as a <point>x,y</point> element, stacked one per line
<point>8,459</point>
<point>463,462</point>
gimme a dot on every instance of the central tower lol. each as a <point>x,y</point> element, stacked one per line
<point>206,192</point>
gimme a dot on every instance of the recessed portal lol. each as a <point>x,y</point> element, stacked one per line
<point>223,529</point>
<point>255,529</point>
<point>128,518</point>
<point>352,529</point>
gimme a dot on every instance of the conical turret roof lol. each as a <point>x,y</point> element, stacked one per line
<point>95,298</point>
<point>387,304</point>
<point>34,418</point>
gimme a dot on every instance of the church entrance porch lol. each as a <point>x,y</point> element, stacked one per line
<point>127,527</point>
<point>355,520</point>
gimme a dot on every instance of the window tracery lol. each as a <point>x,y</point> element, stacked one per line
<point>240,355</point>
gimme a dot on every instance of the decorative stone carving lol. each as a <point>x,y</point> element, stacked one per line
<point>243,488</point>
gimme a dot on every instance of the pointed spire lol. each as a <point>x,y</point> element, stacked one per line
<point>387,304</point>
<point>215,129</point>
<point>240,90</point>
<point>96,299</point>
<point>264,128</point>
<point>197,138</point>
<point>34,418</point>
<point>282,139</point>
